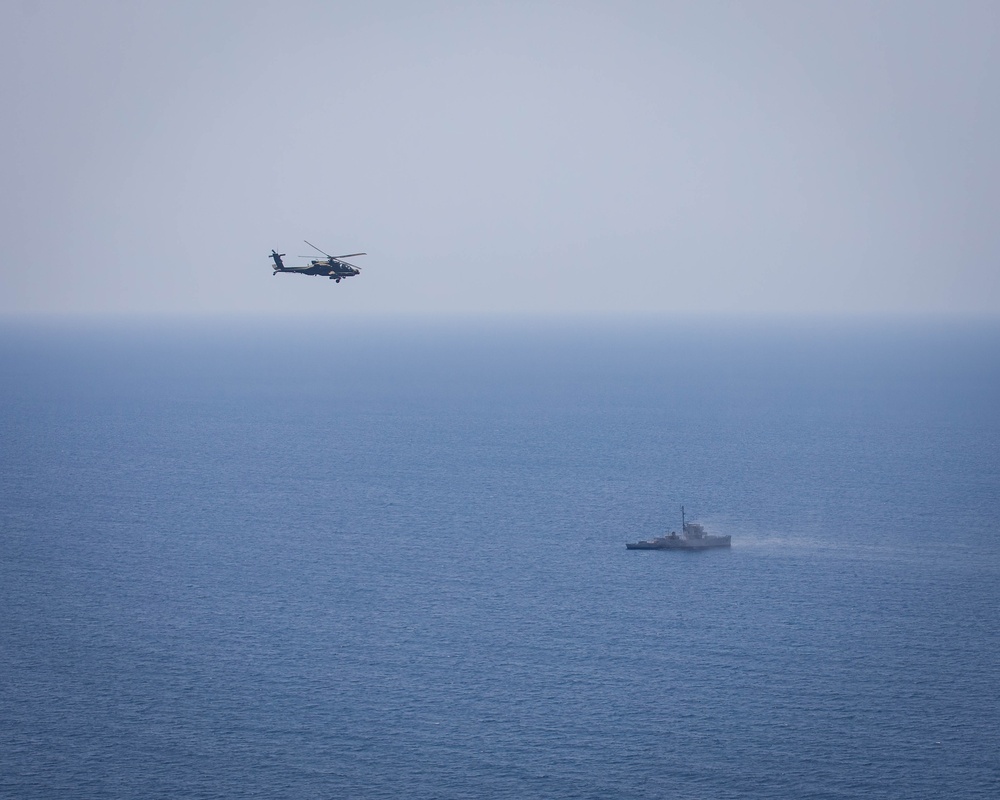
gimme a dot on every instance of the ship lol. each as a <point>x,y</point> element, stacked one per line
<point>692,537</point>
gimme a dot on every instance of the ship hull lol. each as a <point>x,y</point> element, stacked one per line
<point>666,543</point>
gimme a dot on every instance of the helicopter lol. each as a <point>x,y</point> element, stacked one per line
<point>333,267</point>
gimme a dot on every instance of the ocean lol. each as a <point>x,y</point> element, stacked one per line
<point>384,559</point>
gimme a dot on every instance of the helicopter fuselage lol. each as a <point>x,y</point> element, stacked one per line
<point>331,268</point>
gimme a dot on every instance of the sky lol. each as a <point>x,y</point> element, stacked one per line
<point>535,157</point>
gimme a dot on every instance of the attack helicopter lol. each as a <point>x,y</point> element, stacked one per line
<point>332,267</point>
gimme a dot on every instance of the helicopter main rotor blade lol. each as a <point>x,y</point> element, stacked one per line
<point>338,258</point>
<point>314,247</point>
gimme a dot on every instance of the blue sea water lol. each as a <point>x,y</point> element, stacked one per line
<point>381,560</point>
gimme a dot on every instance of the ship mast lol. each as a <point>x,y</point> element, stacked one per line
<point>683,523</point>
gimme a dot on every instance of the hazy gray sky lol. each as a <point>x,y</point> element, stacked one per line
<point>502,156</point>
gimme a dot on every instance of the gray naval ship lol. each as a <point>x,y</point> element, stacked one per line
<point>693,537</point>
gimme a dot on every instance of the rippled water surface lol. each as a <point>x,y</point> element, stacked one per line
<point>324,561</point>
